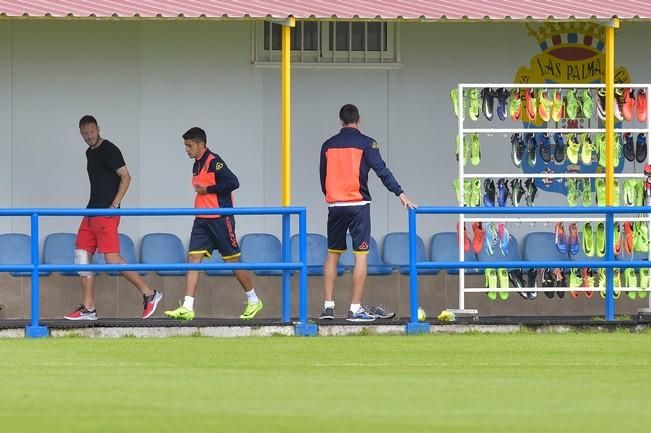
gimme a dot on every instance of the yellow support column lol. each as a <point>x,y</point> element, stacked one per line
<point>286,111</point>
<point>610,108</point>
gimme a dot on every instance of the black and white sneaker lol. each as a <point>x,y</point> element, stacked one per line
<point>629,146</point>
<point>487,102</point>
<point>530,141</point>
<point>640,148</point>
<point>531,191</point>
<point>548,281</point>
<point>545,147</point>
<point>489,193</point>
<point>532,281</point>
<point>327,314</point>
<point>515,277</point>
<point>502,96</point>
<point>379,312</point>
<point>517,149</point>
<point>559,148</point>
<point>601,104</point>
<point>517,192</point>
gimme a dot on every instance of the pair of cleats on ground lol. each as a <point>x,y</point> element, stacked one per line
<point>627,105</point>
<point>493,237</point>
<point>367,313</point>
<point>184,313</point>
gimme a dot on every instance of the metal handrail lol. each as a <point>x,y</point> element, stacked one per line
<point>34,329</point>
<point>609,263</point>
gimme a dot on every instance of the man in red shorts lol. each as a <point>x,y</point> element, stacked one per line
<point>109,181</point>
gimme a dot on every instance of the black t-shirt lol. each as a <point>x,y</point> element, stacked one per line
<point>103,162</point>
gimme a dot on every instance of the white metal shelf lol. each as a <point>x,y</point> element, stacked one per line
<point>463,132</point>
<point>551,86</point>
<point>551,289</point>
<point>549,130</point>
<point>550,175</point>
<point>549,219</point>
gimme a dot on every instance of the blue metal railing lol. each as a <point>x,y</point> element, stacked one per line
<point>609,263</point>
<point>35,330</point>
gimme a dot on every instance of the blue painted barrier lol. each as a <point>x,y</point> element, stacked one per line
<point>36,330</point>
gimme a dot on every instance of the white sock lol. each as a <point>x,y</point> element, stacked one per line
<point>188,302</point>
<point>329,304</point>
<point>251,297</point>
<point>354,308</point>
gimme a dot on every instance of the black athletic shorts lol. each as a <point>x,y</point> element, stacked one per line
<point>210,234</point>
<point>357,220</point>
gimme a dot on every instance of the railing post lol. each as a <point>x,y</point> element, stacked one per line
<point>610,255</point>
<point>414,326</point>
<point>286,281</point>
<point>303,328</point>
<point>34,330</point>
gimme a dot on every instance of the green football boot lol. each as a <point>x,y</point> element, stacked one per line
<point>251,310</point>
<point>181,313</point>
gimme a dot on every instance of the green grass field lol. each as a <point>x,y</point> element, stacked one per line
<point>585,382</point>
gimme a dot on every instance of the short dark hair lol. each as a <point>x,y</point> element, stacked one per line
<point>86,120</point>
<point>349,114</point>
<point>196,134</point>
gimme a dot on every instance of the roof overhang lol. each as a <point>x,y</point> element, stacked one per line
<point>387,10</point>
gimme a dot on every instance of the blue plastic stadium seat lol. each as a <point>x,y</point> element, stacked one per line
<point>512,254</point>
<point>16,249</point>
<point>216,257</point>
<point>395,252</point>
<point>127,251</point>
<point>623,256</point>
<point>317,251</point>
<point>59,249</point>
<point>540,246</point>
<point>375,265</point>
<point>162,248</point>
<point>261,247</point>
<point>445,248</point>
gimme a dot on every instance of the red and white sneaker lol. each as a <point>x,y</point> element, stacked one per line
<point>82,313</point>
<point>149,303</point>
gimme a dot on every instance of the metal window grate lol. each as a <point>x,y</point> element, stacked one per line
<point>329,43</point>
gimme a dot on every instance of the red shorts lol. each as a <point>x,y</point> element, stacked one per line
<point>99,233</point>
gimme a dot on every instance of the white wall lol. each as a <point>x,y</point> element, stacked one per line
<point>147,82</point>
<point>6,123</point>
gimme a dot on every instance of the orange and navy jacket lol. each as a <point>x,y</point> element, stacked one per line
<point>211,171</point>
<point>346,159</point>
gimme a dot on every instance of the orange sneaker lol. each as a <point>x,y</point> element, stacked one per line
<point>478,237</point>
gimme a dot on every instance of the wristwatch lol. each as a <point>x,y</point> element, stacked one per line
<point>115,205</point>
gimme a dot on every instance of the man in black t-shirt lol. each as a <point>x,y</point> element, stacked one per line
<point>109,181</point>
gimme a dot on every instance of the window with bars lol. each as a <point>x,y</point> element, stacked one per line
<point>329,43</point>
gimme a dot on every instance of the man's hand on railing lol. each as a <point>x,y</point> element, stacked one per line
<point>406,203</point>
